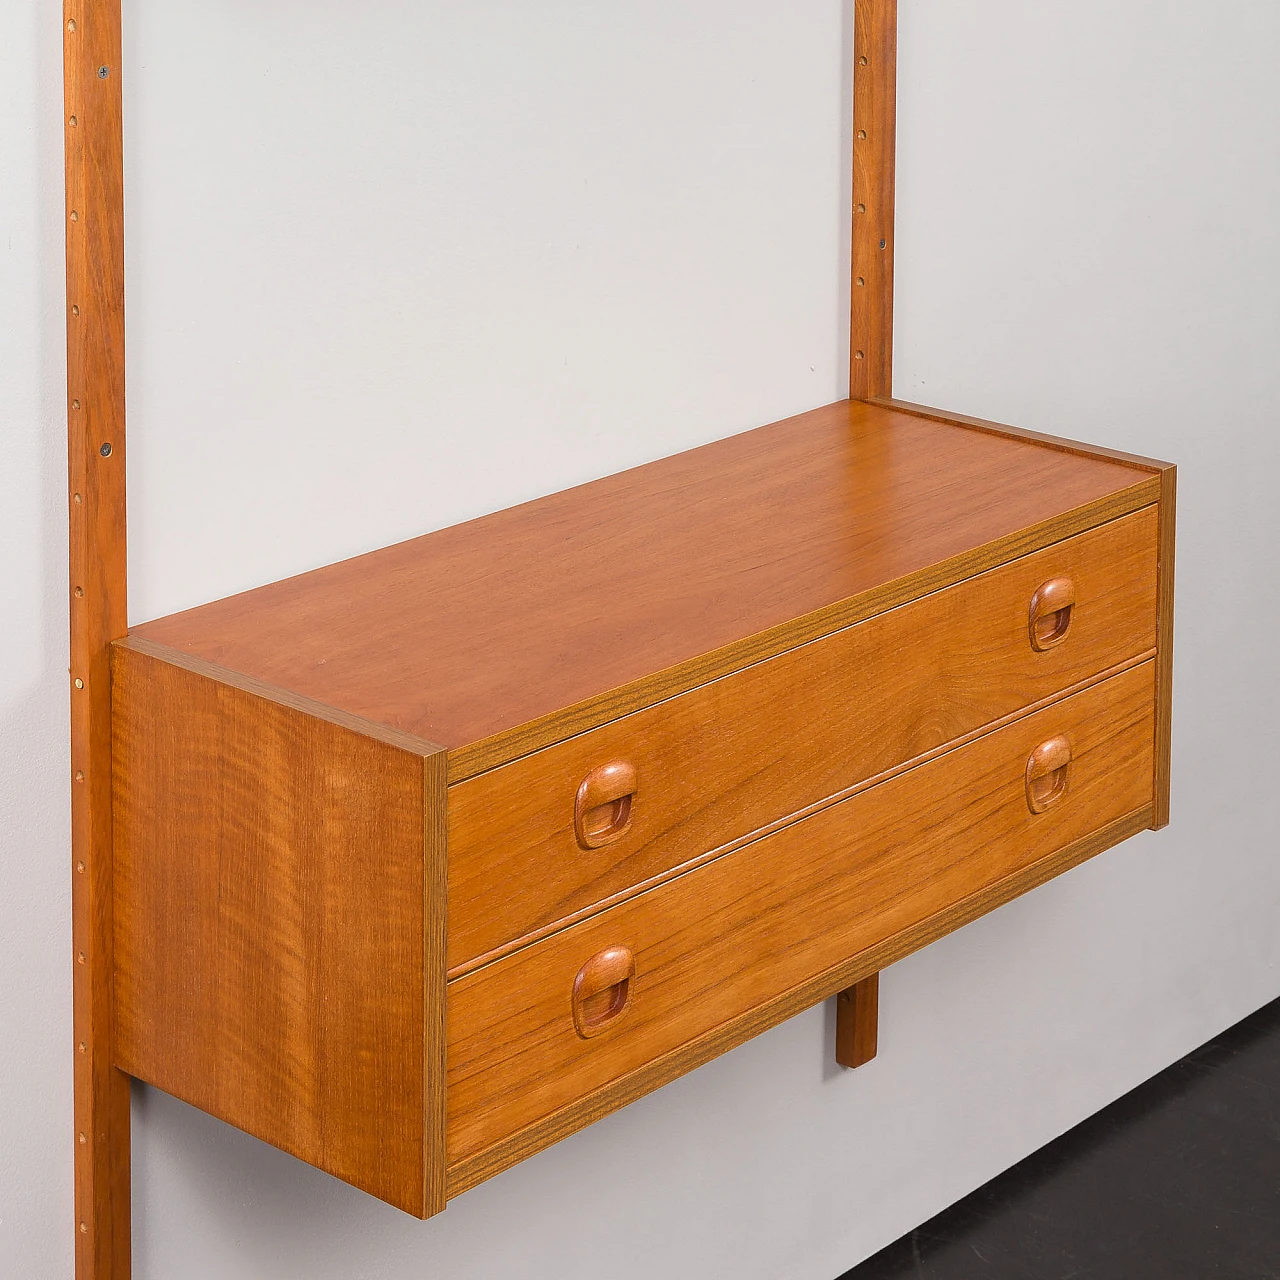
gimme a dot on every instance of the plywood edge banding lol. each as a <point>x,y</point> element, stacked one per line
<point>435,912</point>
<point>468,1173</point>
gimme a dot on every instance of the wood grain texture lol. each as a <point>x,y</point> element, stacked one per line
<point>489,637</point>
<point>535,1137</point>
<point>279,923</point>
<point>743,930</point>
<point>725,760</point>
<point>858,1022</point>
<point>98,613</point>
<point>875,104</point>
<point>1167,473</point>
<point>1164,646</point>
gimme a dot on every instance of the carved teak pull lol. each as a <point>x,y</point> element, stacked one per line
<point>602,810</point>
<point>1048,770</point>
<point>1052,607</point>
<point>602,990</point>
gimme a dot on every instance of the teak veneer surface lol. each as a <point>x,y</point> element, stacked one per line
<point>279,923</point>
<point>472,631</point>
<point>741,931</point>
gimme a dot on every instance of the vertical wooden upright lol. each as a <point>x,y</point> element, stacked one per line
<point>875,98</point>
<point>96,502</point>
<point>875,109</point>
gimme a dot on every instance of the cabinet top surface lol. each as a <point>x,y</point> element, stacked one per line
<point>474,630</point>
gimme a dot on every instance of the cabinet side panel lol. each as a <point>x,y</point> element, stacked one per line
<point>269,921</point>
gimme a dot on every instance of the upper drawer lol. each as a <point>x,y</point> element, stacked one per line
<point>535,841</point>
<point>546,1027</point>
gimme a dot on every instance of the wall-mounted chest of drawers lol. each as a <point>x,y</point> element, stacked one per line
<point>429,858</point>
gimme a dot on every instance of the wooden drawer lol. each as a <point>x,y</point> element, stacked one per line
<point>725,760</point>
<point>713,944</point>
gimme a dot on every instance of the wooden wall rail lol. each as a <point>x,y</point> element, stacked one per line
<point>875,110</point>
<point>96,583</point>
<point>875,98</point>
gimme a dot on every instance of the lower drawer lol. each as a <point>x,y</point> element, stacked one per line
<point>546,1026</point>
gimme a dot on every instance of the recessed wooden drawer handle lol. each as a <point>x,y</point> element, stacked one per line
<point>602,811</point>
<point>602,990</point>
<point>1051,609</point>
<point>1047,772</point>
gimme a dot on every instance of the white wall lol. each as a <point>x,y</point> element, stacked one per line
<point>35,868</point>
<point>394,264</point>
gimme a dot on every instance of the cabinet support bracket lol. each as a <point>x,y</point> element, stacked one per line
<point>857,1022</point>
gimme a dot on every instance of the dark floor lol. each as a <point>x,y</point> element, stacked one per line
<point>1178,1180</point>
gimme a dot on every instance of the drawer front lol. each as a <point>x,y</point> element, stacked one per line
<point>557,832</point>
<point>549,1024</point>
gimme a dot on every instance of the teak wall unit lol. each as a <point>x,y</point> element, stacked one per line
<point>414,864</point>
